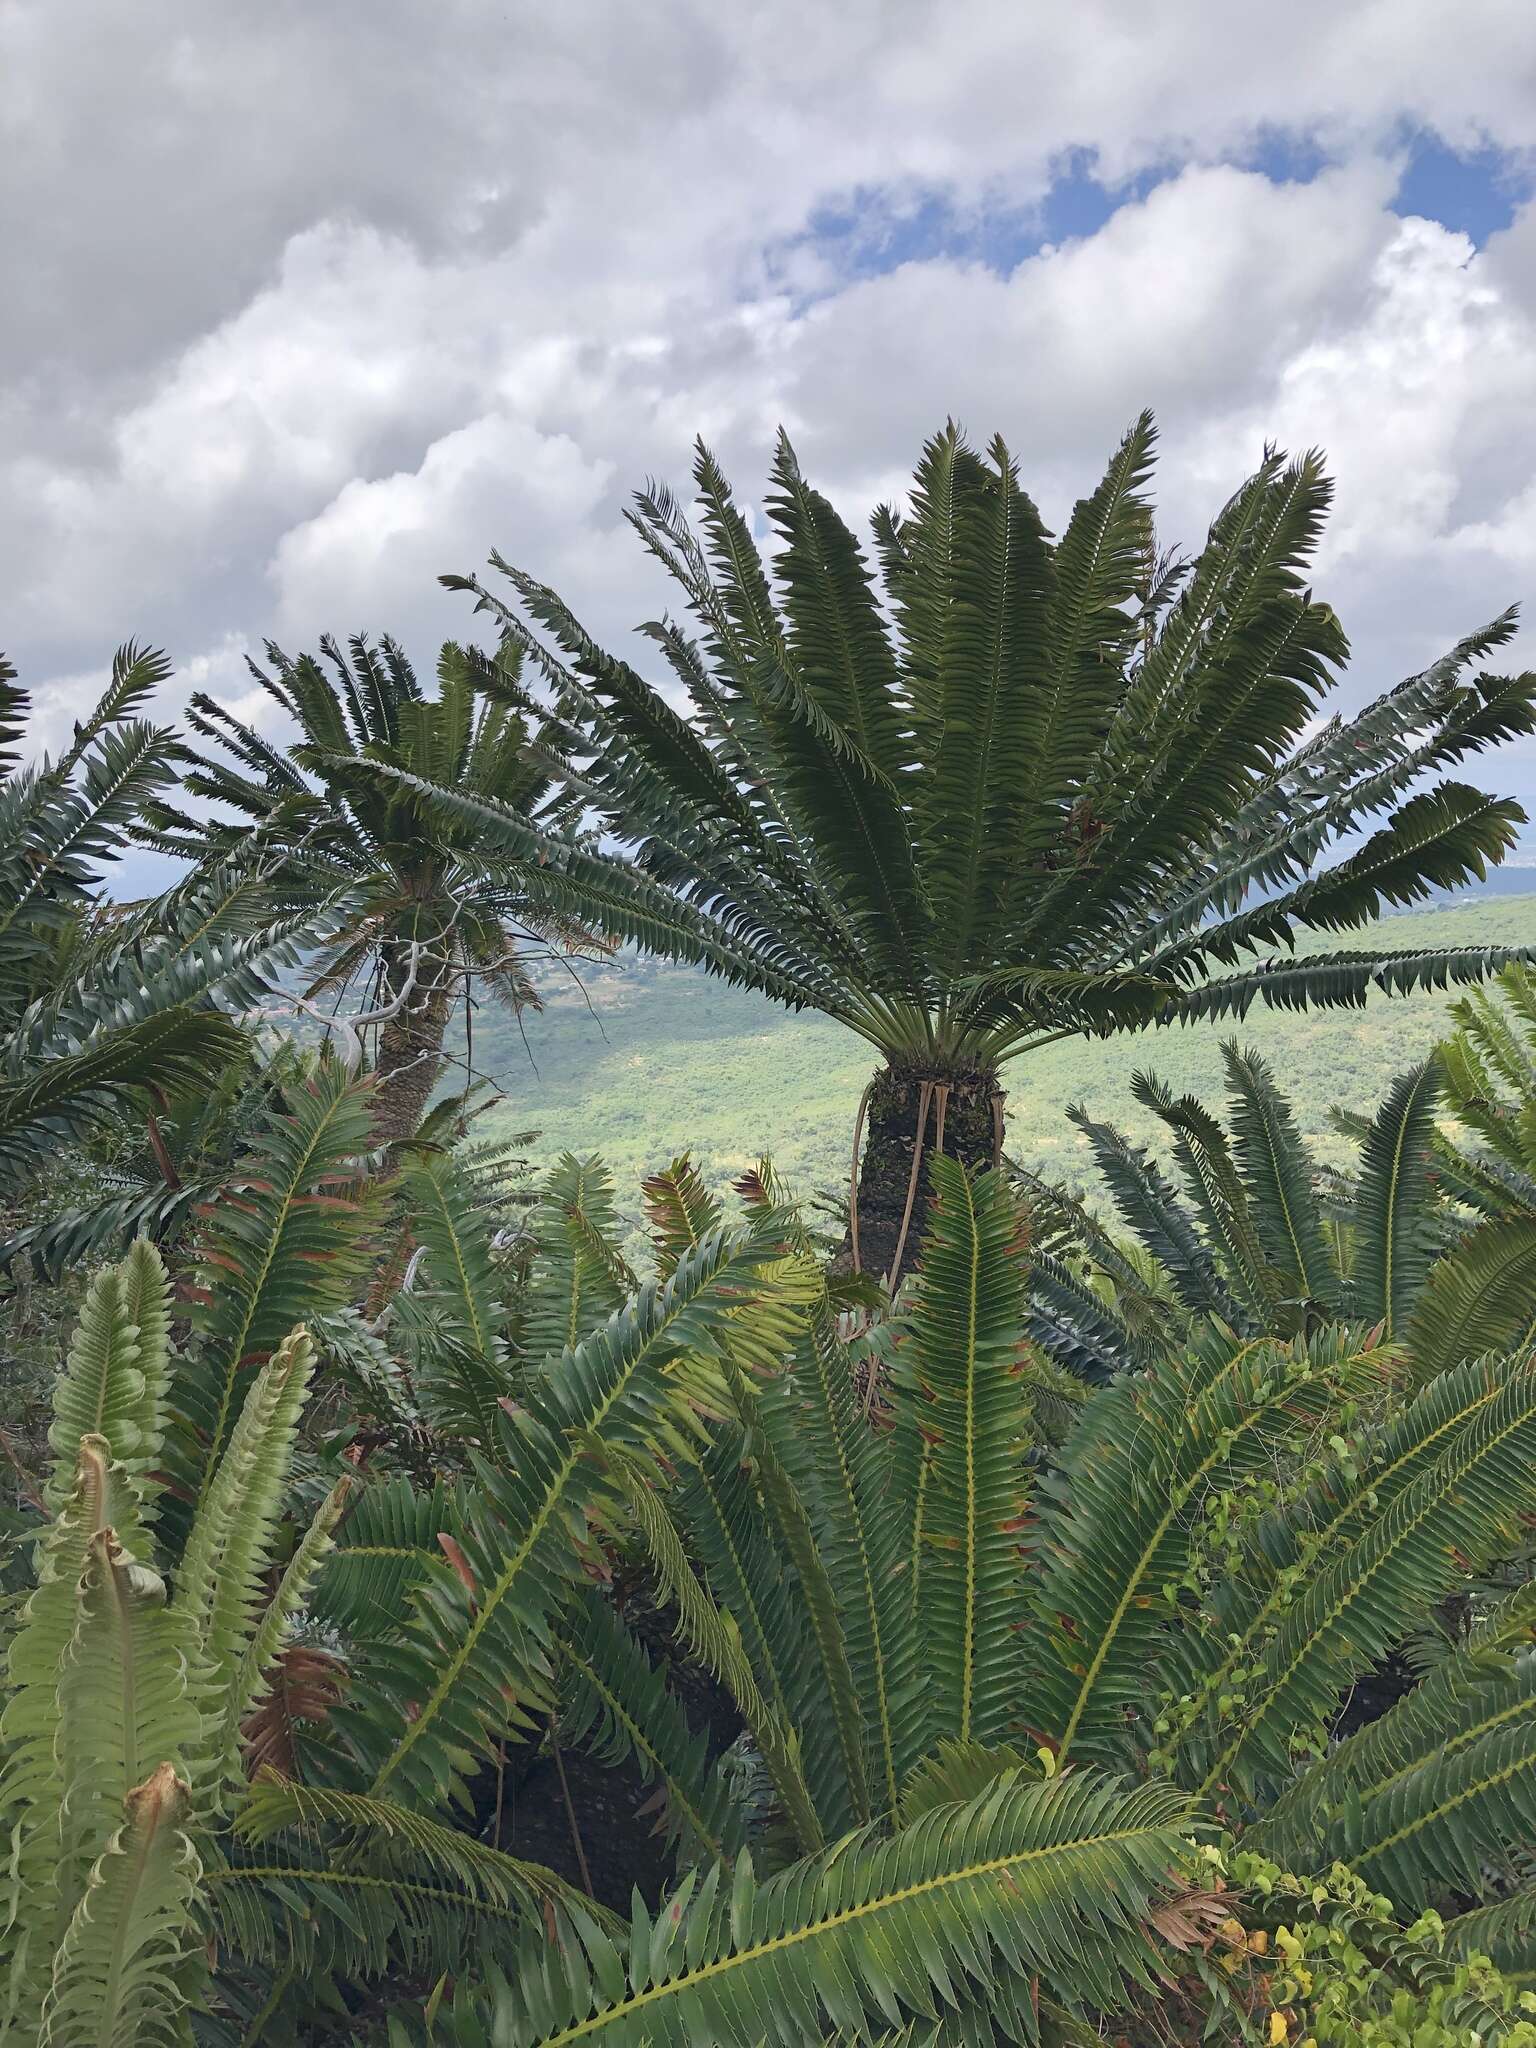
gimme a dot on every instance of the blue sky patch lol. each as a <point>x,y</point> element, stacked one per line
<point>876,229</point>
<point>1475,192</point>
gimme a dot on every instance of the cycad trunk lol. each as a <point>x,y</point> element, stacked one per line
<point>410,1054</point>
<point>961,1114</point>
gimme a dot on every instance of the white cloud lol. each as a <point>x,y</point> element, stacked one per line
<point>346,305</point>
<point>381,541</point>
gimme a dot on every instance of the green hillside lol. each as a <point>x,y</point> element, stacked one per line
<point>666,1059</point>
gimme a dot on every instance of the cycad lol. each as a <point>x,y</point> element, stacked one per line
<point>150,1669</point>
<point>950,1657</point>
<point>129,1676</point>
<point>286,1240</point>
<point>104,1013</point>
<point>1423,1238</point>
<point>1012,787</point>
<point>431,906</point>
<point>955,1659</point>
<point>1039,1885</point>
<point>1487,1169</point>
<point>953,1656</point>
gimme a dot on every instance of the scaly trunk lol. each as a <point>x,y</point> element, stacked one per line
<point>962,1115</point>
<point>410,1054</point>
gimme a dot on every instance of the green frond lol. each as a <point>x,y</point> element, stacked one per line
<point>1479,1296</point>
<point>1221,1200</point>
<point>564,880</point>
<point>959,1391</point>
<point>827,1677</point>
<point>476,1664</point>
<point>719,1509</point>
<point>806,1786</point>
<point>958,1771</point>
<point>1505,1932</point>
<point>1052,1882</point>
<point>122,1728</point>
<point>114,1378</point>
<point>984,686</point>
<point>1088,632</point>
<point>680,1211</point>
<point>125,1700</point>
<point>1150,1455</point>
<point>285,1241</point>
<point>84,1085</point>
<point>1410,1550</point>
<point>1073,1325</point>
<point>385,1546</point>
<point>617,1706</point>
<point>99,1700</point>
<point>118,1980</point>
<point>578,1276</point>
<point>830,1613</point>
<point>1489,1056</point>
<point>1216,1660</point>
<point>1016,1002</point>
<point>845,1472</point>
<point>1439,839</point>
<point>325,1885</point>
<point>1481,1181</point>
<point>1278,1173</point>
<point>456,1233</point>
<point>353,1824</point>
<point>835,645</point>
<point>96,1679</point>
<point>1226,687</point>
<point>1441,1828</point>
<point>376,1381</point>
<point>1425,1799</point>
<point>15,704</point>
<point>1151,1208</point>
<point>1349,771</point>
<point>834,635</point>
<point>1394,1240</point>
<point>461,1365</point>
<point>252,1681</point>
<point>1333,981</point>
<point>670,788</point>
<point>58,829</point>
<point>229,1545</point>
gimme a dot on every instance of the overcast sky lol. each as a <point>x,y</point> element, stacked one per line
<point>303,304</point>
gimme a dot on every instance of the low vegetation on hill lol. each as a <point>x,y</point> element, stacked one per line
<point>641,1054</point>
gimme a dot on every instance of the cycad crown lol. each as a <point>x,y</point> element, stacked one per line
<point>105,1009</point>
<point>429,907</point>
<point>999,786</point>
<point>1431,1239</point>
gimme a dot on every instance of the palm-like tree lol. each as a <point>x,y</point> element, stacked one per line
<point>109,1009</point>
<point>1014,787</point>
<point>1252,1229</point>
<point>1433,1237</point>
<point>431,909</point>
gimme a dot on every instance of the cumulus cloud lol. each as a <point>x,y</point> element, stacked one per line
<point>495,477</point>
<point>329,306</point>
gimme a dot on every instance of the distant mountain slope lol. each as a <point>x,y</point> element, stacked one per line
<point>668,1059</point>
